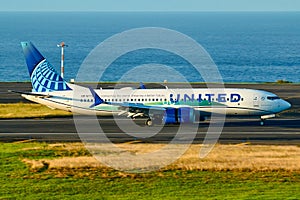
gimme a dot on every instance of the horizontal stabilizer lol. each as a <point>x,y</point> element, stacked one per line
<point>30,93</point>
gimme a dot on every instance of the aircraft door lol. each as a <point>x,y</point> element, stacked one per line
<point>256,101</point>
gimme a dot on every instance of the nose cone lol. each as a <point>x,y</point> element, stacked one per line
<point>284,105</point>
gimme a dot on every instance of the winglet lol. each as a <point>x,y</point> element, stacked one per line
<point>142,86</point>
<point>97,100</point>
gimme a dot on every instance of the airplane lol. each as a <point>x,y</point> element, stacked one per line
<point>157,106</point>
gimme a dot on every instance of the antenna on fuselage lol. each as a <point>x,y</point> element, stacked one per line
<point>62,45</point>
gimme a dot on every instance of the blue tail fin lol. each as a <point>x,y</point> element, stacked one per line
<point>43,76</point>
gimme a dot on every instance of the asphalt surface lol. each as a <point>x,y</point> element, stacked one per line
<point>276,131</point>
<point>283,130</point>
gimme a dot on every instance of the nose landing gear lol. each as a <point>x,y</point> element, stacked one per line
<point>264,117</point>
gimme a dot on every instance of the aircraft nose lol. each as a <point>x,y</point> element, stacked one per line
<point>285,105</point>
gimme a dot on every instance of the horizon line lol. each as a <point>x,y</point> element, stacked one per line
<point>150,11</point>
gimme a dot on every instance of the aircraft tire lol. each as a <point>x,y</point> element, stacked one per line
<point>149,122</point>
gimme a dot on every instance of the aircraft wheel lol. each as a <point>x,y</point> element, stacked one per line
<point>262,122</point>
<point>149,122</point>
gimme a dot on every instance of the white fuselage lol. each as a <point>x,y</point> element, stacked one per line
<point>236,102</point>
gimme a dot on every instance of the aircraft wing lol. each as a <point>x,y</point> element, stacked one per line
<point>138,106</point>
<point>137,109</point>
<point>172,114</point>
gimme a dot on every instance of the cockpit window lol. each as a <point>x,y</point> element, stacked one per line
<point>272,98</point>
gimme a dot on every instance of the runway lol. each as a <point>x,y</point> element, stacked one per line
<point>283,130</point>
<point>276,131</point>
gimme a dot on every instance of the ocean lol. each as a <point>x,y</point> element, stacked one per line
<point>245,46</point>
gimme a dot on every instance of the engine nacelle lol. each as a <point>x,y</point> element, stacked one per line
<point>179,115</point>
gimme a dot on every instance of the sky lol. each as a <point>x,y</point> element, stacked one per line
<point>150,5</point>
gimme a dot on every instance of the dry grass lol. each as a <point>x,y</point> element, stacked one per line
<point>221,158</point>
<point>242,157</point>
<point>59,146</point>
<point>29,110</point>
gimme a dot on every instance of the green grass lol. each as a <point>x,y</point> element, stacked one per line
<point>29,110</point>
<point>17,181</point>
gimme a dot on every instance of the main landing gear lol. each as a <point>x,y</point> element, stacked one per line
<point>156,119</point>
<point>149,122</point>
